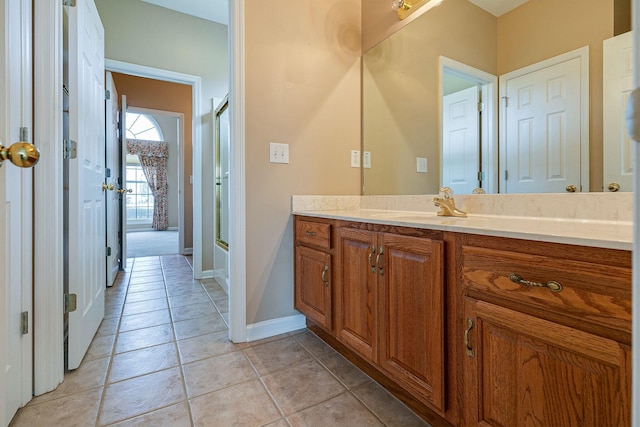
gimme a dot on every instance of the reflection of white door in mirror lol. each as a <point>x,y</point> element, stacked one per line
<point>617,85</point>
<point>545,126</point>
<point>467,155</point>
<point>461,140</point>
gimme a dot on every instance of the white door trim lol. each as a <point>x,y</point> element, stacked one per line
<point>196,83</point>
<point>237,200</point>
<point>48,258</point>
<point>583,54</point>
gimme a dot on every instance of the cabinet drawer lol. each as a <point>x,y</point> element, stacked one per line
<point>592,292</point>
<point>313,233</point>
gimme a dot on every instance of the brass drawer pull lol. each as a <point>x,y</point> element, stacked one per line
<point>310,233</point>
<point>324,276</point>
<point>552,285</point>
<point>373,267</point>
<point>467,331</point>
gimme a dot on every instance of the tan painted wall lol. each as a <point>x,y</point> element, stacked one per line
<point>400,84</point>
<point>303,89</point>
<point>159,95</point>
<point>146,34</point>
<point>379,21</point>
<point>530,34</point>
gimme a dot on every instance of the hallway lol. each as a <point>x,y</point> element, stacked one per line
<point>162,358</point>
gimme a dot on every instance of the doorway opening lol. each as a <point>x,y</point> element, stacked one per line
<point>143,238</point>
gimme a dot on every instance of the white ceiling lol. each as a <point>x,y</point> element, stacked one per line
<point>498,7</point>
<point>212,10</point>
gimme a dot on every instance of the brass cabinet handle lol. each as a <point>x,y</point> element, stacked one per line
<point>21,154</point>
<point>371,264</point>
<point>552,285</point>
<point>380,267</point>
<point>470,323</point>
<point>324,276</point>
<point>109,187</point>
<point>613,187</point>
<point>310,233</point>
<point>571,188</point>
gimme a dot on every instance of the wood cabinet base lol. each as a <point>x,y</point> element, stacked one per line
<point>423,411</point>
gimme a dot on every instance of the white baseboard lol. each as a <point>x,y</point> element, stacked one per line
<point>222,279</point>
<point>270,328</point>
<point>207,274</point>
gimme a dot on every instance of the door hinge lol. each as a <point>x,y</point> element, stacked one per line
<point>480,106</point>
<point>108,251</point>
<point>506,101</point>
<point>506,175</point>
<point>70,149</point>
<point>24,323</point>
<point>481,176</point>
<point>107,94</point>
<point>71,3</point>
<point>70,302</point>
<point>24,134</point>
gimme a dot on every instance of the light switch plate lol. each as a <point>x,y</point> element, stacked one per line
<point>355,158</point>
<point>421,164</point>
<point>278,153</point>
<point>366,160</point>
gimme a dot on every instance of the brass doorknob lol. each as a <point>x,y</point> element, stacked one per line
<point>109,187</point>
<point>21,154</point>
<point>614,186</point>
<point>571,188</point>
<point>124,190</point>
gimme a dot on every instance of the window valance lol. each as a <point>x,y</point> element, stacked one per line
<point>144,148</point>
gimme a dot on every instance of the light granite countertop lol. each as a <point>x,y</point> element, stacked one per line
<point>583,232</point>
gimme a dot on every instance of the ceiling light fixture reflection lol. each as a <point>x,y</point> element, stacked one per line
<point>405,8</point>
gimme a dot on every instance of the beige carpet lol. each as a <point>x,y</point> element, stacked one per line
<point>151,243</point>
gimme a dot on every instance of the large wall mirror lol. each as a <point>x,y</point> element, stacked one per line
<point>525,99</point>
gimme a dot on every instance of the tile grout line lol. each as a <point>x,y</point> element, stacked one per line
<point>113,348</point>
<point>175,342</point>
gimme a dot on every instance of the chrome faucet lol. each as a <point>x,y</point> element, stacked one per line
<point>447,205</point>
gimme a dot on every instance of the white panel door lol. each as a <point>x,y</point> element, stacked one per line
<point>461,141</point>
<point>542,120</point>
<point>86,173</point>
<point>617,85</point>
<point>112,162</point>
<point>16,201</point>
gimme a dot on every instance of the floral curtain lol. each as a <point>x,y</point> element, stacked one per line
<point>153,159</point>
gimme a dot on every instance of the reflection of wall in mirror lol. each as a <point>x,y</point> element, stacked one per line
<point>462,31</point>
<point>400,91</point>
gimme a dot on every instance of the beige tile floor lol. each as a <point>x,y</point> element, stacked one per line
<point>162,358</point>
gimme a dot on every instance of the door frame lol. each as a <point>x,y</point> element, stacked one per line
<point>180,118</point>
<point>582,54</point>
<point>48,259</point>
<point>196,84</point>
<point>488,122</point>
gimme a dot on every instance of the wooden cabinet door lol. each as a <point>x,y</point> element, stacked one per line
<point>313,285</point>
<point>356,293</point>
<point>529,371</point>
<point>411,315</point>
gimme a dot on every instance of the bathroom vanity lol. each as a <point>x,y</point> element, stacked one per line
<point>485,320</point>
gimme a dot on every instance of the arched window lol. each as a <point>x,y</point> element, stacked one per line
<point>140,201</point>
<point>143,126</point>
